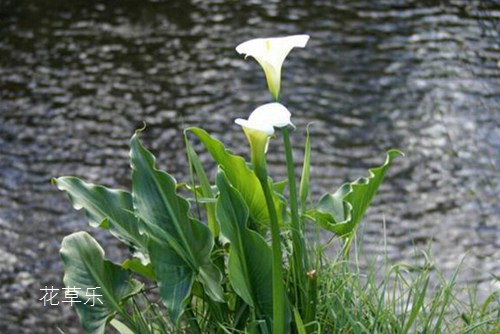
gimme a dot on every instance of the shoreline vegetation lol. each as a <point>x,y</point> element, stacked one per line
<point>232,256</point>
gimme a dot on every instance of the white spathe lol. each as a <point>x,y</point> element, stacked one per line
<point>270,53</point>
<point>266,117</point>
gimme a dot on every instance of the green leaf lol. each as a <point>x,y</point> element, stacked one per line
<point>105,208</point>
<point>179,247</point>
<point>299,323</point>
<point>306,172</point>
<point>120,327</point>
<point>206,190</point>
<point>342,211</point>
<point>250,257</point>
<point>138,267</point>
<point>86,268</point>
<point>238,174</point>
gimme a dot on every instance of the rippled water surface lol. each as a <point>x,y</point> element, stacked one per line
<point>77,77</point>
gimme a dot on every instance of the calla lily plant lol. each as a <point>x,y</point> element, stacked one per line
<point>215,272</point>
<point>270,53</point>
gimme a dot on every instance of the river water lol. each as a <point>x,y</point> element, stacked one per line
<point>77,77</point>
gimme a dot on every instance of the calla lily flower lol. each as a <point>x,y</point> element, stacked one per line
<point>270,53</point>
<point>260,126</point>
<point>266,117</point>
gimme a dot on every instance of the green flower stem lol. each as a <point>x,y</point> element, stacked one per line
<point>299,255</point>
<point>278,285</point>
<point>259,162</point>
<point>258,144</point>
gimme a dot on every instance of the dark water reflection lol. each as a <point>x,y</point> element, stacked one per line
<point>77,78</point>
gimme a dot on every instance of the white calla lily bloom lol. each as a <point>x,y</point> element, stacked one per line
<point>259,127</point>
<point>270,53</point>
<point>266,117</point>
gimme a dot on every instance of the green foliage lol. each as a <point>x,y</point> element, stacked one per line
<point>305,178</point>
<point>386,298</point>
<point>182,255</point>
<point>239,174</point>
<point>86,268</point>
<point>179,246</point>
<point>222,283</point>
<point>138,267</point>
<point>205,187</point>
<point>106,208</point>
<point>342,211</point>
<point>249,263</point>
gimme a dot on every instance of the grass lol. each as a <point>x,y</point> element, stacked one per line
<point>400,298</point>
<point>402,302</point>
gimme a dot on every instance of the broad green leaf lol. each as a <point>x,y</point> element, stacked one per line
<point>175,278</point>
<point>342,211</point>
<point>238,174</point>
<point>250,257</point>
<point>85,269</point>
<point>179,246</point>
<point>106,208</point>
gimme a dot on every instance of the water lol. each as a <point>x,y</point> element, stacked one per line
<point>76,79</point>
